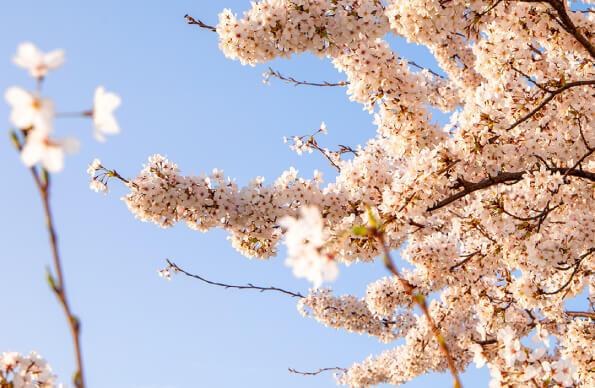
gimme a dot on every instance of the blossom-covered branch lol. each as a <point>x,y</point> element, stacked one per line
<point>491,209</point>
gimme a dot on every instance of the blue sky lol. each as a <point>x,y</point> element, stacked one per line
<point>183,99</point>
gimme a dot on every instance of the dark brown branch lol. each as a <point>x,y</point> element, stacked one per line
<point>552,94</point>
<point>576,266</point>
<point>581,314</point>
<point>317,372</point>
<point>466,258</point>
<point>198,22</point>
<point>505,177</point>
<point>570,27</point>
<point>173,266</point>
<point>566,22</point>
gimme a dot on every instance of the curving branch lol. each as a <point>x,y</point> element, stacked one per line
<point>570,27</point>
<point>576,266</point>
<point>566,23</point>
<point>317,372</point>
<point>552,94</point>
<point>504,177</point>
<point>249,286</point>
<point>276,74</point>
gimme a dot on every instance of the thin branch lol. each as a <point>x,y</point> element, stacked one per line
<point>276,74</point>
<point>466,258</point>
<point>58,284</point>
<point>420,300</point>
<point>552,94</point>
<point>198,22</point>
<point>317,372</point>
<point>412,63</point>
<point>576,266</point>
<point>249,286</point>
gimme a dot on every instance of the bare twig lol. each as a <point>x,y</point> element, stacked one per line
<point>198,22</point>
<point>249,286</point>
<point>276,74</point>
<point>317,372</point>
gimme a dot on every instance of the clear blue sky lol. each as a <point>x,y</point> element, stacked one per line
<point>183,99</point>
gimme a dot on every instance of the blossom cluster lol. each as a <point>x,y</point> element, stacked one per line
<point>20,371</point>
<point>492,211</point>
<point>33,115</point>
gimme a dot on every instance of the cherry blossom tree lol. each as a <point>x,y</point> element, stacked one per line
<point>493,211</point>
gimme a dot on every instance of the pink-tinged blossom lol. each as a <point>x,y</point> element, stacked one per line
<point>564,372</point>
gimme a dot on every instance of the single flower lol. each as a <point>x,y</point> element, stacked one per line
<point>104,105</point>
<point>30,111</point>
<point>37,62</point>
<point>564,372</point>
<point>305,239</point>
<point>39,148</point>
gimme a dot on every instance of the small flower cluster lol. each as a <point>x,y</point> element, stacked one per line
<point>19,371</point>
<point>278,28</point>
<point>33,115</point>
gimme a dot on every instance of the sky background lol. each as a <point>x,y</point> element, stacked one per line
<point>181,98</point>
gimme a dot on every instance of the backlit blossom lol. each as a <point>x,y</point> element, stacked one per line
<point>305,239</point>
<point>104,105</point>
<point>29,110</point>
<point>490,210</point>
<point>48,152</point>
<point>564,372</point>
<point>38,63</point>
<point>20,371</point>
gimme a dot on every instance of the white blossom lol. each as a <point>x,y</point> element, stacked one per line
<point>38,63</point>
<point>20,371</point>
<point>29,111</point>
<point>104,105</point>
<point>48,152</point>
<point>564,372</point>
<point>492,213</point>
<point>305,238</point>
